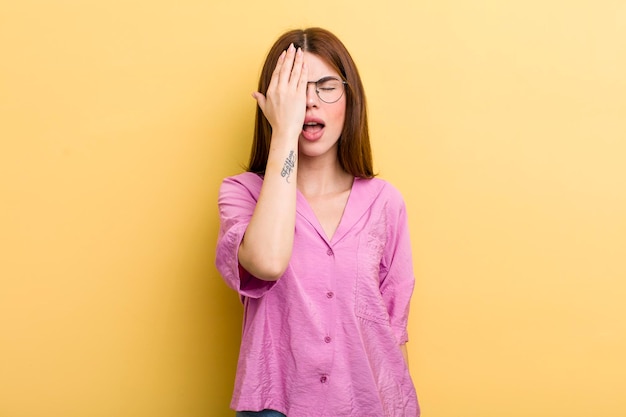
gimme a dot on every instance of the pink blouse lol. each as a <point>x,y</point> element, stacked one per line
<point>324,339</point>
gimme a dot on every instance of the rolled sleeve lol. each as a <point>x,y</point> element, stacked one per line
<point>236,201</point>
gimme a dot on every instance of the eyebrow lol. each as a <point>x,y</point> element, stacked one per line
<point>326,78</point>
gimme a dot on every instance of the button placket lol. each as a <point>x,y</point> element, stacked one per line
<point>330,295</point>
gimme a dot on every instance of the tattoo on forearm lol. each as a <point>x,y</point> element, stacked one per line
<point>290,163</point>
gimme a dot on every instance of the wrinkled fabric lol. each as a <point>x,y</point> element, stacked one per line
<point>326,335</point>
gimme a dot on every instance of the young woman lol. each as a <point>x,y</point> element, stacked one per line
<point>317,248</point>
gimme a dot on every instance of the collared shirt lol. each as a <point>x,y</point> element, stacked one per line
<point>324,339</point>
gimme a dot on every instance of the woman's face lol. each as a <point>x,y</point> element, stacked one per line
<point>323,122</point>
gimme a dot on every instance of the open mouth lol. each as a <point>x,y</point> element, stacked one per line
<point>312,127</point>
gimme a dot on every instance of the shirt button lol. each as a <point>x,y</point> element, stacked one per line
<point>330,294</point>
<point>327,339</point>
<point>329,252</point>
<point>323,379</point>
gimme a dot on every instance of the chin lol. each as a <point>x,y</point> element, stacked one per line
<point>316,149</point>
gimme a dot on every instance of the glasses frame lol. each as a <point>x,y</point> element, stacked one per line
<point>317,91</point>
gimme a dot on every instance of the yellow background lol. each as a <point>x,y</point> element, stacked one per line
<point>502,123</point>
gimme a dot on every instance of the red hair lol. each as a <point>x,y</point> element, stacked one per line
<point>354,150</point>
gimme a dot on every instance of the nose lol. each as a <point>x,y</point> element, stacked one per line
<point>311,95</point>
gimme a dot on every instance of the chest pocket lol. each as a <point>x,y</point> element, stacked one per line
<point>369,303</point>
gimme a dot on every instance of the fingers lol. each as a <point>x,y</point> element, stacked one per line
<point>288,68</point>
<point>284,102</point>
<point>260,99</point>
<point>287,64</point>
<point>276,73</point>
<point>297,67</point>
<point>304,77</point>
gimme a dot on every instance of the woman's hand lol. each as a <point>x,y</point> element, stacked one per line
<point>284,105</point>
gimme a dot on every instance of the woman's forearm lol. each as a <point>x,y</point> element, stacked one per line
<point>268,241</point>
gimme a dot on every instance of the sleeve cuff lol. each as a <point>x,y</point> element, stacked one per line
<point>227,262</point>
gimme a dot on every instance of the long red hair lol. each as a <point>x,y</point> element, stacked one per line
<point>354,151</point>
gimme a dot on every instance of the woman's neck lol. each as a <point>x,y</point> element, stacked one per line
<point>317,177</point>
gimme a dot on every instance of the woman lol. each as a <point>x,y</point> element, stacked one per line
<point>317,248</point>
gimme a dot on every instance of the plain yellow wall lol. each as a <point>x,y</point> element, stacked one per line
<point>502,122</point>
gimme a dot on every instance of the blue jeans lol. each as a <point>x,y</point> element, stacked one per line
<point>264,413</point>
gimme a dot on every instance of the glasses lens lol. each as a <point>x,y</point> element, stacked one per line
<point>330,90</point>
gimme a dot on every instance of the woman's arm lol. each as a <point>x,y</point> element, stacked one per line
<point>405,353</point>
<point>267,244</point>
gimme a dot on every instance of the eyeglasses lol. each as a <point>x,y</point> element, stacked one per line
<point>329,89</point>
